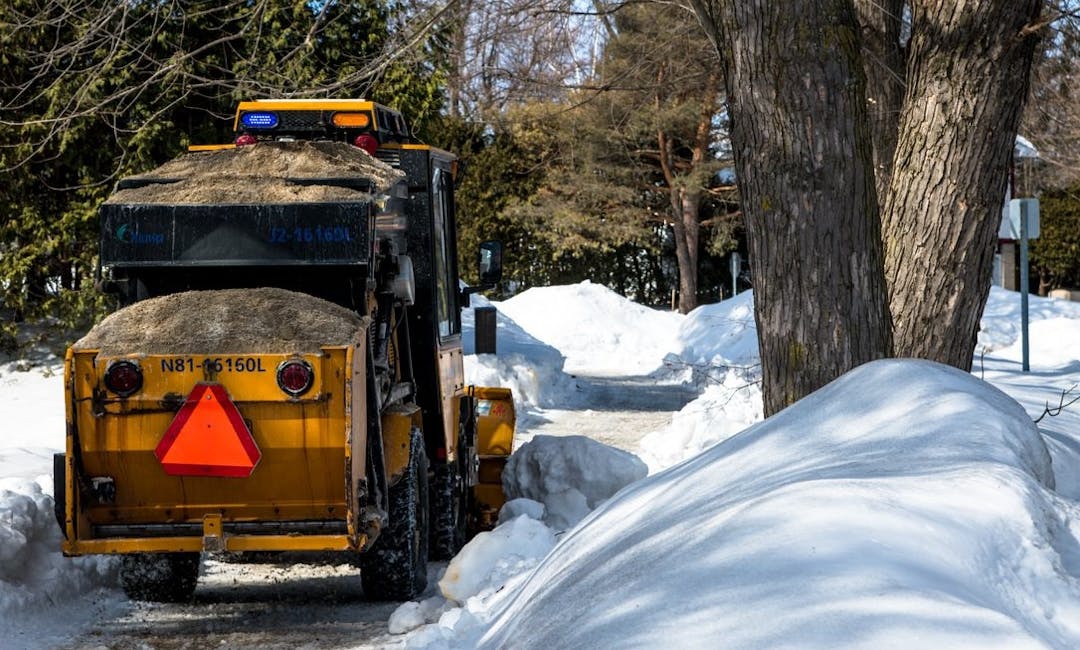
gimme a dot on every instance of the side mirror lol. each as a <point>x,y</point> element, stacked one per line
<point>490,263</point>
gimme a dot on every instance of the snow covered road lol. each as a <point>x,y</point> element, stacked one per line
<point>617,411</point>
<point>252,605</point>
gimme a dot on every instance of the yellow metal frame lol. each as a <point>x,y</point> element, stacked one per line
<point>194,148</point>
<point>397,425</point>
<point>310,446</point>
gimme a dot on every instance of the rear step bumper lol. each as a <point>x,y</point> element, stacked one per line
<point>215,536</point>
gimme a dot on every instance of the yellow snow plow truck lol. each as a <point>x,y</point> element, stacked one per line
<point>285,372</point>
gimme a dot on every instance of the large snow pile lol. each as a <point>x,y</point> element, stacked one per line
<point>532,369</point>
<point>552,483</point>
<point>717,337</point>
<point>730,402</point>
<point>33,573</point>
<point>595,328</point>
<point>1053,343</point>
<point>569,475</point>
<point>906,504</point>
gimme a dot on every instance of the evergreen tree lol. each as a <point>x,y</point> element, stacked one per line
<point>91,92</point>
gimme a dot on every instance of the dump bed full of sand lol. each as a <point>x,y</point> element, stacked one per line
<point>228,321</point>
<point>267,172</point>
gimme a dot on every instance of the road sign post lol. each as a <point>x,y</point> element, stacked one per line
<point>1024,216</point>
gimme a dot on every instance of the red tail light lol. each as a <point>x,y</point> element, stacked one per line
<point>367,142</point>
<point>295,377</point>
<point>245,140</point>
<point>123,378</point>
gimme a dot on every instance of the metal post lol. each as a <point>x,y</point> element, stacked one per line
<point>484,330</point>
<point>736,266</point>
<point>1024,280</point>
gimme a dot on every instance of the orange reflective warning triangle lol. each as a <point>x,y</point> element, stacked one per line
<point>208,437</point>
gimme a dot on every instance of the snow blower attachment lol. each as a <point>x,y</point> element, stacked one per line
<point>286,371</point>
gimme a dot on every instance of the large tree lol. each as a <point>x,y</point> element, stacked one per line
<point>838,280</point>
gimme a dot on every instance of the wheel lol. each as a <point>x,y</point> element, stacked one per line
<point>450,504</point>
<point>449,512</point>
<point>395,567</point>
<point>161,577</point>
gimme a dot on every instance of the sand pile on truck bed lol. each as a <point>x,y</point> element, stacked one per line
<point>227,321</point>
<point>267,172</point>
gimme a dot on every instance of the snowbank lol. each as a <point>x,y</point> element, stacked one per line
<point>532,369</point>
<point>566,477</point>
<point>725,407</point>
<point>32,571</point>
<point>570,475</point>
<point>719,336</point>
<point>906,504</point>
<point>595,328</point>
<point>1054,343</point>
<point>1000,325</point>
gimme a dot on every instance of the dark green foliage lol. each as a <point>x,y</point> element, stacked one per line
<point>496,170</point>
<point>90,93</point>
<point>1056,253</point>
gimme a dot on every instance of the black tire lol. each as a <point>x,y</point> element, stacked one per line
<point>160,577</point>
<point>395,567</point>
<point>449,510</point>
<point>450,503</point>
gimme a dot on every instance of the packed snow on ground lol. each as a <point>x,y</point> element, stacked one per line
<point>596,328</point>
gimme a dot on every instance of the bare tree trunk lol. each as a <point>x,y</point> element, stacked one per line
<point>967,77</point>
<point>803,160</point>
<point>883,62</point>
<point>455,82</point>
<point>685,205</point>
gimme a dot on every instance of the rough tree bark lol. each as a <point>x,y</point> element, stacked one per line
<point>804,165</point>
<point>883,63</point>
<point>967,77</point>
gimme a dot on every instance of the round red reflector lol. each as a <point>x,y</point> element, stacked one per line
<point>295,377</point>
<point>245,140</point>
<point>367,142</point>
<point>123,378</point>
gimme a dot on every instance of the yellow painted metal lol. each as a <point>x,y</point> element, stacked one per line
<point>233,543</point>
<point>497,418</point>
<point>300,476</point>
<point>194,148</point>
<point>213,534</point>
<point>412,146</point>
<point>397,425</point>
<point>351,105</point>
<point>450,362</point>
<point>247,377</point>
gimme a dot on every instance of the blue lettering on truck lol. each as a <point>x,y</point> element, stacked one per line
<point>130,235</point>
<point>307,235</point>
